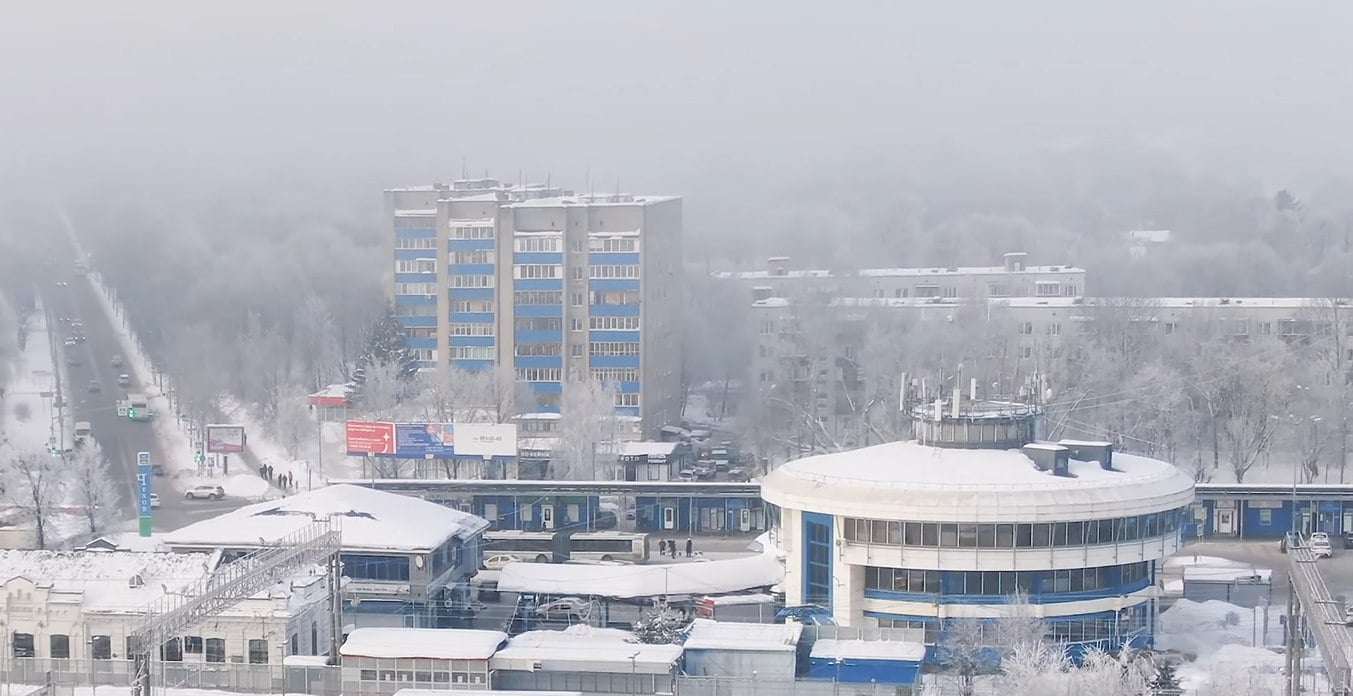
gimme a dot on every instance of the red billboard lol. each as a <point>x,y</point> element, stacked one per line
<point>370,438</point>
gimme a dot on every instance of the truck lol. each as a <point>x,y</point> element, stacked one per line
<point>138,407</point>
<point>83,432</point>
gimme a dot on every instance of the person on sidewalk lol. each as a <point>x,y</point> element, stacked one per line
<point>690,547</point>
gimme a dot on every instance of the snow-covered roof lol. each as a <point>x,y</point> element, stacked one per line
<point>584,200</point>
<point>414,213</point>
<point>910,481</point>
<point>831,649</point>
<point>482,692</point>
<point>537,444</point>
<point>724,635</point>
<point>541,415</point>
<point>630,448</point>
<point>369,520</point>
<point>631,581</point>
<point>584,649</point>
<point>1214,574</point>
<point>429,643</point>
<point>895,272</point>
<point>127,541</point>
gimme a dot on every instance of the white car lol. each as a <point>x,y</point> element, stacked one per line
<point>154,501</point>
<point>570,609</point>
<point>1320,545</point>
<point>205,492</point>
<point>498,560</point>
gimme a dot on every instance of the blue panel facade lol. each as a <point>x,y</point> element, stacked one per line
<point>469,244</point>
<point>538,361</point>
<point>538,284</point>
<point>627,387</point>
<point>413,342</point>
<point>618,336</point>
<point>410,254</point>
<point>613,258</point>
<point>471,340</point>
<point>551,258</point>
<point>415,277</point>
<point>614,310</point>
<point>614,284</point>
<point>627,411</point>
<point>472,365</point>
<point>472,269</point>
<point>472,317</point>
<point>857,671</point>
<point>472,293</point>
<point>536,310</point>
<point>698,514</point>
<point>613,361</point>
<point>416,232</point>
<point>414,300</point>
<point>540,336</point>
<point>418,322</point>
<point>546,387</point>
<point>525,512</point>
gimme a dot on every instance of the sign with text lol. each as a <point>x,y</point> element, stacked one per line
<point>425,440</point>
<point>225,439</point>
<point>370,438</point>
<point>486,439</point>
<point>143,481</point>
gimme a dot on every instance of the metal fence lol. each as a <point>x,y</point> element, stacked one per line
<point>243,678</point>
<point>780,686</point>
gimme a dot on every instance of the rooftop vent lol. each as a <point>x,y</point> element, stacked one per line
<point>1091,451</point>
<point>1048,457</point>
<point>1014,261</point>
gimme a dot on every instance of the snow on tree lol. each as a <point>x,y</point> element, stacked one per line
<point>1045,670</point>
<point>293,427</point>
<point>386,345</point>
<point>91,488</point>
<point>1165,682</point>
<point>966,654</point>
<point>587,419</point>
<point>661,625</point>
<point>265,369</point>
<point>34,483</point>
<point>314,344</point>
<point>454,395</point>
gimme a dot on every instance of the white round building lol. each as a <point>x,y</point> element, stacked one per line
<point>911,535</point>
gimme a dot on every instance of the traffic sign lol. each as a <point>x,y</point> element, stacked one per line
<point>144,475</point>
<point>122,411</point>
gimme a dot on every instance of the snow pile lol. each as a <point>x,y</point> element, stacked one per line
<point>1203,567</point>
<point>1203,628</point>
<point>594,650</point>
<point>27,421</point>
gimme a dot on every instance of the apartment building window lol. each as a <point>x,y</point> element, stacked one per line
<point>614,244</point>
<point>540,243</point>
<point>425,354</point>
<point>539,324</point>
<point>420,332</point>
<point>608,271</point>
<point>538,374</point>
<point>258,651</point>
<point>578,246</point>
<point>616,297</point>
<point>1047,288</point>
<point>576,298</point>
<point>538,271</point>
<point>1240,327</point>
<point>461,329</point>
<point>998,290</point>
<point>101,647</point>
<point>58,646</point>
<point>768,327</point>
<point>1068,291</point>
<point>950,291</point>
<point>1171,327</point>
<point>1054,329</point>
<point>615,374</point>
<point>472,352</point>
<point>416,266</point>
<point>538,297</point>
<point>1026,328</point>
<point>214,650</point>
<point>927,291</point>
<point>415,288</point>
<point>472,233</point>
<point>626,399</point>
<point>415,243</point>
<point>575,350</point>
<point>471,281</point>
<point>414,222</point>
<point>546,348</point>
<point>575,325</point>
<point>1265,329</point>
<point>578,273</point>
<point>472,305</point>
<point>900,293</point>
<point>615,323</point>
<point>473,256</point>
<point>1026,352</point>
<point>614,348</point>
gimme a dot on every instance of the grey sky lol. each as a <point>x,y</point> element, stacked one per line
<point>660,94</point>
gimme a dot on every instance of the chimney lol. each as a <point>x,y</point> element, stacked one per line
<point>1048,457</point>
<point>1014,261</point>
<point>1093,451</point>
<point>777,265</point>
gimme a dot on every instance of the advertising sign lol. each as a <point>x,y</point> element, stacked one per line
<point>225,439</point>
<point>143,479</point>
<point>486,439</point>
<point>370,438</point>
<point>425,440</point>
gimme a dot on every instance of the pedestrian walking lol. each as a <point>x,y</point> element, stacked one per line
<point>690,546</point>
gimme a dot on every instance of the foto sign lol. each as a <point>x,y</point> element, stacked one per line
<point>225,439</point>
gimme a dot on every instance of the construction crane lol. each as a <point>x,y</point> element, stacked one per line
<point>232,583</point>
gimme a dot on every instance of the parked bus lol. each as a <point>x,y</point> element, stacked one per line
<point>557,547</point>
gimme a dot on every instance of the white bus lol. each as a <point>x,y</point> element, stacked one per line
<point>557,547</point>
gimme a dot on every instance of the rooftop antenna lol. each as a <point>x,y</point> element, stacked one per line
<point>547,179</point>
<point>521,180</point>
<point>464,171</point>
<point>587,179</point>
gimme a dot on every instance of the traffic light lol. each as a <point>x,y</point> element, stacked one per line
<point>199,457</point>
<point>131,413</point>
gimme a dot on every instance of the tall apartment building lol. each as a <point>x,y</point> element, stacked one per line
<point>551,283</point>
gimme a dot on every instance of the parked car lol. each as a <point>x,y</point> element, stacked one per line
<point>116,361</point>
<point>206,492</point>
<point>124,380</point>
<point>498,560</point>
<point>70,343</point>
<point>1320,545</point>
<point>157,470</point>
<point>94,386</point>
<point>154,501</point>
<point>570,609</point>
<point>738,474</point>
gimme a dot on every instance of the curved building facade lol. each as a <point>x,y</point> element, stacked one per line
<point>910,535</point>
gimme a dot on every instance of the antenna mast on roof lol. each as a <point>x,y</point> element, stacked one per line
<point>464,170</point>
<point>587,179</point>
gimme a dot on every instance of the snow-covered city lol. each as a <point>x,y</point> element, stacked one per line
<point>866,353</point>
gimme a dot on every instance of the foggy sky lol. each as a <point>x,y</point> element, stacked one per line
<point>686,97</point>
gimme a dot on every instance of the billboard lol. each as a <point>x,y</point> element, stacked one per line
<point>370,438</point>
<point>425,440</point>
<point>225,439</point>
<point>486,439</point>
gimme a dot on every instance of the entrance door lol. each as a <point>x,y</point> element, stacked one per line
<point>1226,522</point>
<point>669,518</point>
<point>547,516</point>
<point>745,520</point>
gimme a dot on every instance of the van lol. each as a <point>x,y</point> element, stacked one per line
<point>82,430</point>
<point>1320,545</point>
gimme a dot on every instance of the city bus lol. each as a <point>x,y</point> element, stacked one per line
<point>560,546</point>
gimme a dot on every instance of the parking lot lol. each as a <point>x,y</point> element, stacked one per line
<point>1337,570</point>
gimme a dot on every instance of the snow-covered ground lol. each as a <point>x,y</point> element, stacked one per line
<point>305,467</point>
<point>1234,650</point>
<point>28,419</point>
<point>175,442</point>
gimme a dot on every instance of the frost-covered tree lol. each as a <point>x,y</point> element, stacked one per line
<point>587,410</point>
<point>966,654</point>
<point>293,426</point>
<point>386,345</point>
<point>35,484</point>
<point>661,625</point>
<point>1165,682</point>
<point>91,488</point>
<point>314,344</point>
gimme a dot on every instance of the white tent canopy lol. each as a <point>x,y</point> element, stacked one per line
<point>630,582</point>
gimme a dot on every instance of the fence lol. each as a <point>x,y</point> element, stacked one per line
<point>62,675</point>
<point>781,686</point>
